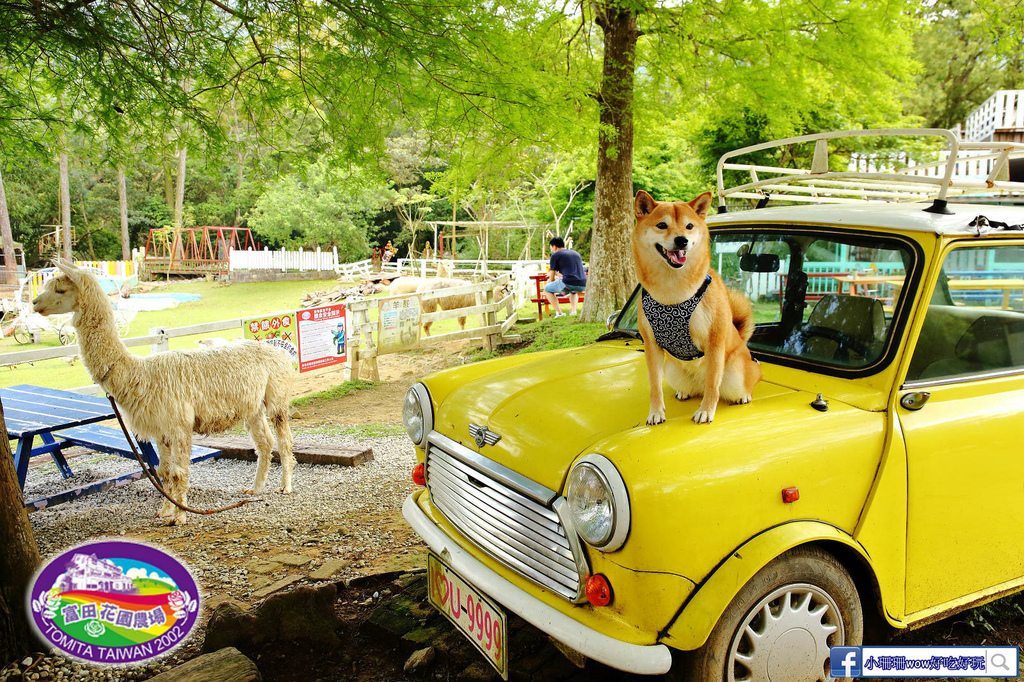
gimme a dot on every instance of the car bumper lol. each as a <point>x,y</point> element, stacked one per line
<point>634,658</point>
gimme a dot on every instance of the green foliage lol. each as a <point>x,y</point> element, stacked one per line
<point>561,332</point>
<point>320,206</point>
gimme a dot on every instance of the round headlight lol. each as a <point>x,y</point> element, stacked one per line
<point>598,502</point>
<point>417,416</point>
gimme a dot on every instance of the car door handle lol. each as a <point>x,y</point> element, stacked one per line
<point>915,400</point>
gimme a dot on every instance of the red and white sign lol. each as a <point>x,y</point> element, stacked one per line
<point>322,337</point>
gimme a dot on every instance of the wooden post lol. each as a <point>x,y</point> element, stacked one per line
<point>367,350</point>
<point>490,319</point>
<point>162,345</point>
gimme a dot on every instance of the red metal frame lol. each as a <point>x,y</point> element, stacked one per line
<point>197,249</point>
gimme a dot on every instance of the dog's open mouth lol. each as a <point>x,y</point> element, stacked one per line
<point>674,258</point>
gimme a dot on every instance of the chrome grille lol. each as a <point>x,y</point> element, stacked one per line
<point>522,533</point>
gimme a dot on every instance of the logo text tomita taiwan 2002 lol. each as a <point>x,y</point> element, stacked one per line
<point>114,602</point>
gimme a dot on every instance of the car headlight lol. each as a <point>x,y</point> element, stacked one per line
<point>417,414</point>
<point>598,502</point>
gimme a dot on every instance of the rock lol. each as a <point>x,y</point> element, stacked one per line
<point>230,626</point>
<point>305,613</point>
<point>419,660</point>
<point>292,559</point>
<point>224,665</point>
<point>480,671</point>
<point>264,566</point>
<point>27,662</point>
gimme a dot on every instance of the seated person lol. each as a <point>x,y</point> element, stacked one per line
<point>567,276</point>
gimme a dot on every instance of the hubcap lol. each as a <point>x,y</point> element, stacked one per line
<point>786,636</point>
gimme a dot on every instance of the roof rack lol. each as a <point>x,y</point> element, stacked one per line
<point>950,176</point>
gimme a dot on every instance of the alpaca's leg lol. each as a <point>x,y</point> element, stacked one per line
<point>178,488</point>
<point>261,436</point>
<point>284,447</point>
<point>167,509</point>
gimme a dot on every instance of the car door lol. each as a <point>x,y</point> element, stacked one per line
<point>962,413</point>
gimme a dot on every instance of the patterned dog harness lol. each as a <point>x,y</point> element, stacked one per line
<point>671,323</point>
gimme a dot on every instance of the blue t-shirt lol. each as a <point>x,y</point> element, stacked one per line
<point>569,263</point>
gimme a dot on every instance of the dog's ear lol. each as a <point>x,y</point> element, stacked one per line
<point>643,204</point>
<point>68,269</point>
<point>701,204</point>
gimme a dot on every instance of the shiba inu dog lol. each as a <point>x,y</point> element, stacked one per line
<point>695,330</point>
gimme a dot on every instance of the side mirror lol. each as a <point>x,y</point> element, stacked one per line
<point>610,322</point>
<point>759,262</point>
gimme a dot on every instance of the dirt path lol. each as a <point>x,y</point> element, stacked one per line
<point>383,403</point>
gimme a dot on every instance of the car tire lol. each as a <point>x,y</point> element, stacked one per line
<point>796,638</point>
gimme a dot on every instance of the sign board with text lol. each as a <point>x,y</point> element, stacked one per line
<point>399,324</point>
<point>322,337</point>
<point>277,329</point>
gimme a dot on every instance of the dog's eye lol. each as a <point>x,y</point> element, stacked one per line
<point>689,226</point>
<point>662,226</point>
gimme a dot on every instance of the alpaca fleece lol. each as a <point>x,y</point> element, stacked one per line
<point>165,397</point>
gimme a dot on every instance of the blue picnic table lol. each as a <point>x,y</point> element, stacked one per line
<point>61,419</point>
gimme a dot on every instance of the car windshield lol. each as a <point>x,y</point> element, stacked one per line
<point>819,297</point>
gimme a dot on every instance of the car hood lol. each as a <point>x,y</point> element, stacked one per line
<point>554,407</point>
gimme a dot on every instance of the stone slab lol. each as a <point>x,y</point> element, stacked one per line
<point>328,569</point>
<point>241,447</point>
<point>292,559</point>
<point>263,567</point>
<point>274,587</point>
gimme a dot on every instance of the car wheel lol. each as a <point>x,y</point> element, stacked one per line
<point>781,624</point>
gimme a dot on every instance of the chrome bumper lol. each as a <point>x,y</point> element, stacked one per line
<point>652,659</point>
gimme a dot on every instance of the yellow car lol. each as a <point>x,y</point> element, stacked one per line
<point>875,477</point>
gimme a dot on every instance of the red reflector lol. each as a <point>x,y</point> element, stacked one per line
<point>599,592</point>
<point>419,474</point>
<point>790,495</point>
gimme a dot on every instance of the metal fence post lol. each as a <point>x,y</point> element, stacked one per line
<point>162,345</point>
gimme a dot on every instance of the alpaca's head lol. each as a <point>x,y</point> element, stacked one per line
<point>60,295</point>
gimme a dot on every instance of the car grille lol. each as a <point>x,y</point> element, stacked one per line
<point>520,532</point>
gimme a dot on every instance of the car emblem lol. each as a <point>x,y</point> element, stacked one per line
<point>483,436</point>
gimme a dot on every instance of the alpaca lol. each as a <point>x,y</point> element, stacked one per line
<point>454,301</point>
<point>405,285</point>
<point>166,396</point>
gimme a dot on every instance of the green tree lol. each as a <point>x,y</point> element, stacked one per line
<point>321,206</point>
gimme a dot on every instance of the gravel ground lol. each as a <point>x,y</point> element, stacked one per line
<point>335,513</point>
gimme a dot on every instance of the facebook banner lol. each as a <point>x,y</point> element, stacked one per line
<point>924,661</point>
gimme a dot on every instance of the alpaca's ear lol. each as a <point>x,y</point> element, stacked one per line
<point>68,269</point>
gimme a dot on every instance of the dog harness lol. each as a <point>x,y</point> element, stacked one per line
<point>671,323</point>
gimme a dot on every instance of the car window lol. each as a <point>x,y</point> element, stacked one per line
<point>975,320</point>
<point>818,297</point>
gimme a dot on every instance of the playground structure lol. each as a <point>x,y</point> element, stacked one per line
<point>194,250</point>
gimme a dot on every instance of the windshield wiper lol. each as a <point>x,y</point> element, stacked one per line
<point>619,334</point>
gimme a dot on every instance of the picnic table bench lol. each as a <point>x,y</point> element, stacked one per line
<point>541,301</point>
<point>62,419</point>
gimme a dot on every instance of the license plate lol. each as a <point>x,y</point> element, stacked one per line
<point>475,615</point>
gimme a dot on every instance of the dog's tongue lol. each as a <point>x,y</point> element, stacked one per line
<point>678,257</point>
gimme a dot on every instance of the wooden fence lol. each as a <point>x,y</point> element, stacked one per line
<point>362,332</point>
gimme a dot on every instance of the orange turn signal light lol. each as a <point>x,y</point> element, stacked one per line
<point>790,495</point>
<point>419,474</point>
<point>599,592</point>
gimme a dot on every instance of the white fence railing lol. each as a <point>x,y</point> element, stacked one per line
<point>1002,111</point>
<point>300,260</point>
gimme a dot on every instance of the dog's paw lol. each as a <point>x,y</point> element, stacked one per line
<point>680,396</point>
<point>166,510</point>
<point>656,418</point>
<point>703,416</point>
<point>285,491</point>
<point>744,400</point>
<point>179,520</point>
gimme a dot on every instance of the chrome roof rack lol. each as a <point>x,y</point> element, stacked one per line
<point>950,176</point>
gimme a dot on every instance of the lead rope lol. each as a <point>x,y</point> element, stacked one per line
<point>151,475</point>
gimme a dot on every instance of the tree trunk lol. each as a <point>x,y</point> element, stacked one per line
<point>122,200</point>
<point>65,204</point>
<point>18,560</point>
<point>10,258</point>
<point>179,193</point>
<point>611,277</point>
